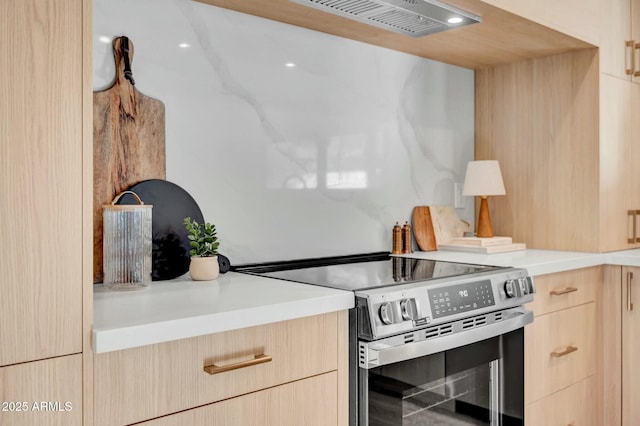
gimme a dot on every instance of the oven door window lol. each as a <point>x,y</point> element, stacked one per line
<point>476,384</point>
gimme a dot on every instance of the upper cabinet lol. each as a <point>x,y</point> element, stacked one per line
<point>501,37</point>
<point>578,18</point>
<point>620,39</point>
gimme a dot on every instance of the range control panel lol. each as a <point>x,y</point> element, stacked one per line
<point>460,298</point>
<point>398,309</point>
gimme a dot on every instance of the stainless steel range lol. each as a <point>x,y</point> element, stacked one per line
<point>431,342</point>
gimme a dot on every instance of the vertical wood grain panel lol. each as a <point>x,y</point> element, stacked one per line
<point>611,369</point>
<point>615,28</point>
<point>539,118</point>
<point>40,179</point>
<point>616,194</point>
<point>87,211</point>
<point>343,368</point>
<point>630,346</point>
<point>51,389</point>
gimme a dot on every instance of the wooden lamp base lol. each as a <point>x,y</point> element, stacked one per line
<point>484,229</point>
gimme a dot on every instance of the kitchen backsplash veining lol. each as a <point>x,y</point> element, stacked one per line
<point>293,142</point>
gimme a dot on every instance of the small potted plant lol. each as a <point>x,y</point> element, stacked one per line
<point>204,250</point>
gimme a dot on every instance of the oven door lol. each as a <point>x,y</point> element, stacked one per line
<point>477,383</point>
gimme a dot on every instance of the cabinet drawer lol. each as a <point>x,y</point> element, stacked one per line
<point>550,363</point>
<point>309,402</point>
<point>42,392</point>
<point>575,405</point>
<point>565,289</point>
<point>146,382</point>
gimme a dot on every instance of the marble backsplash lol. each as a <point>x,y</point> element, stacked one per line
<point>293,142</point>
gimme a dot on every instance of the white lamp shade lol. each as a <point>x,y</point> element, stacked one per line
<point>483,178</point>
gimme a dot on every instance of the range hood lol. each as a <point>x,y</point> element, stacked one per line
<point>415,18</point>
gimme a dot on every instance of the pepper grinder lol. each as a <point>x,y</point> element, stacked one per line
<point>406,238</point>
<point>397,239</point>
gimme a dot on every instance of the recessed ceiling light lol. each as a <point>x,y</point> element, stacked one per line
<point>184,45</point>
<point>454,20</point>
<point>289,65</point>
<point>104,39</point>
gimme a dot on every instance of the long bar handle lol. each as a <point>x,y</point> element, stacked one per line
<point>566,351</point>
<point>562,291</point>
<point>636,47</point>
<point>628,48</point>
<point>633,214</point>
<point>258,359</point>
<point>635,221</point>
<point>629,279</point>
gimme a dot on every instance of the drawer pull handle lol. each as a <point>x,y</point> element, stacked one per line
<point>258,359</point>
<point>566,351</point>
<point>563,291</point>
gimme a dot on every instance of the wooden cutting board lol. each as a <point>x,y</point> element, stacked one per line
<point>422,226</point>
<point>435,225</point>
<point>128,141</point>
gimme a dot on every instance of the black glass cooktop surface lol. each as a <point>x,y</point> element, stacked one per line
<point>359,272</point>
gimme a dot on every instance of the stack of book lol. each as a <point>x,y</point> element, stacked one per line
<point>482,245</point>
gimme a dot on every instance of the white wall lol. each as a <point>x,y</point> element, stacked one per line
<point>288,162</point>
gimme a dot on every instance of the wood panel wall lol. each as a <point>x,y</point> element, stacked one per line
<point>539,118</point>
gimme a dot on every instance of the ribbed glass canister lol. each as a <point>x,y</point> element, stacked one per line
<point>127,245</point>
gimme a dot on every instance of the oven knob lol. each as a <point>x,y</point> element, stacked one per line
<point>510,288</point>
<point>530,285</point>
<point>523,286</point>
<point>409,309</point>
<point>387,313</point>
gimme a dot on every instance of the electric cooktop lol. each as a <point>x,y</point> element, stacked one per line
<point>361,271</point>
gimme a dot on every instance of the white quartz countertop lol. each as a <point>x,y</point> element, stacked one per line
<point>182,308</point>
<point>537,262</point>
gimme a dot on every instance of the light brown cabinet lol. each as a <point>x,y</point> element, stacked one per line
<point>620,174</point>
<point>40,177</point>
<point>578,18</point>
<point>621,340</point>
<point>565,137</point>
<point>630,345</point>
<point>620,39</point>
<point>619,131</point>
<point>303,402</point>
<point>47,392</point>
<point>566,407</point>
<point>298,349</point>
<point>561,350</point>
<point>44,68</point>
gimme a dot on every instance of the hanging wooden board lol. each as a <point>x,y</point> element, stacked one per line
<point>128,141</point>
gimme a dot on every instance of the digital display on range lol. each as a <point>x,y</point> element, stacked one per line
<point>460,298</point>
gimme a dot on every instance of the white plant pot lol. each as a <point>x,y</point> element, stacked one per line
<point>204,268</point>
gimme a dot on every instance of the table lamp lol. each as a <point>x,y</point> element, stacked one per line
<point>483,179</point>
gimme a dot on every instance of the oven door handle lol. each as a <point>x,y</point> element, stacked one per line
<point>373,354</point>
